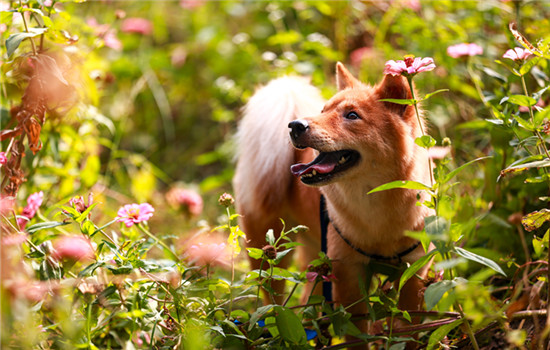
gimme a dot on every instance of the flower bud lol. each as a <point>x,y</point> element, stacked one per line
<point>270,252</point>
<point>226,200</point>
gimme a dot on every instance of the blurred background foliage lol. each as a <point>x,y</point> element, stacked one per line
<point>147,96</point>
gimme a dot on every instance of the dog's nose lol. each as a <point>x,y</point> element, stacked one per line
<point>297,127</point>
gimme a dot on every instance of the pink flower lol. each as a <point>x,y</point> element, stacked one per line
<point>110,39</point>
<point>409,66</point>
<point>412,4</point>
<point>135,213</point>
<point>358,55</point>
<point>137,25</point>
<point>517,54</point>
<point>34,201</point>
<point>191,4</point>
<point>312,276</point>
<point>3,158</point>
<point>464,49</point>
<point>188,200</point>
<point>208,251</point>
<point>108,35</point>
<point>73,248</point>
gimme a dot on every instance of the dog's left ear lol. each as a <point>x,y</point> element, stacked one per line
<point>394,88</point>
<point>344,79</point>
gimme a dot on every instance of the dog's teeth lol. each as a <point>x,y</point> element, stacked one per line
<point>313,173</point>
<point>342,160</point>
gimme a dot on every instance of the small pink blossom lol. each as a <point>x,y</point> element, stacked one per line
<point>517,54</point>
<point>3,158</point>
<point>191,4</point>
<point>142,338</point>
<point>464,49</point>
<point>358,55</point>
<point>73,248</point>
<point>412,4</point>
<point>137,25</point>
<point>312,276</point>
<point>106,33</point>
<point>135,213</point>
<point>111,41</point>
<point>409,66</point>
<point>34,201</point>
<point>188,200</point>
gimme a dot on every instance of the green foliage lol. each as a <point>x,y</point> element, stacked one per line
<point>90,106</point>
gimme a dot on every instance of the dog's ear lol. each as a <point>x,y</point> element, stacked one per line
<point>344,79</point>
<point>394,88</point>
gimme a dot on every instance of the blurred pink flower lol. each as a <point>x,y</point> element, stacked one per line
<point>517,54</point>
<point>208,251</point>
<point>48,3</point>
<point>525,109</point>
<point>135,213</point>
<point>137,25</point>
<point>409,66</point>
<point>142,338</point>
<point>6,204</point>
<point>14,239</point>
<point>464,49</point>
<point>358,55</point>
<point>178,57</point>
<point>312,276</point>
<point>188,200</point>
<point>73,248</point>
<point>191,4</point>
<point>106,33</point>
<point>438,152</point>
<point>412,4</point>
<point>34,201</point>
<point>3,158</point>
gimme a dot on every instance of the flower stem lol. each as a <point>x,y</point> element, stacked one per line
<point>27,28</point>
<point>420,124</point>
<point>150,235</point>
<point>543,148</point>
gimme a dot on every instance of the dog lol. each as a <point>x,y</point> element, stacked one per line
<point>342,148</point>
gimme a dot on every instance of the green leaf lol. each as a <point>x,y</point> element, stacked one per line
<point>14,40</point>
<point>527,66</point>
<point>520,100</point>
<point>255,253</point>
<point>44,225</point>
<point>87,228</point>
<point>255,317</point>
<point>480,259</point>
<point>86,212</point>
<point>522,167</point>
<point>435,291</point>
<point>400,101</point>
<point>536,219</point>
<point>412,185</point>
<point>434,93</point>
<point>527,125</point>
<point>436,226</point>
<point>413,269</point>
<point>453,173</point>
<point>425,141</point>
<point>438,334</point>
<point>290,327</point>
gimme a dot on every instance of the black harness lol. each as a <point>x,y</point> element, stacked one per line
<point>325,221</point>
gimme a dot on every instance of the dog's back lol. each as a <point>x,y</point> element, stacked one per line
<point>263,179</point>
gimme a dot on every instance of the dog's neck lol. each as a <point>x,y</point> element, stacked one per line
<point>377,222</point>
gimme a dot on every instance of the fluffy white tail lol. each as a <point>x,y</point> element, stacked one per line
<point>264,152</point>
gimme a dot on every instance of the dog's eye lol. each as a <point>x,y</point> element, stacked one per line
<point>352,115</point>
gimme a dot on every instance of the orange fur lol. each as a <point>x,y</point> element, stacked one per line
<point>381,141</point>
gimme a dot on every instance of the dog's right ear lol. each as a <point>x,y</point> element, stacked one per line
<point>394,88</point>
<point>344,79</point>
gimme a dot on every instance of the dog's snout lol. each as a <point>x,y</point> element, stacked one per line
<point>298,127</point>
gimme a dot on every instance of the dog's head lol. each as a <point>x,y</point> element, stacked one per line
<point>356,133</point>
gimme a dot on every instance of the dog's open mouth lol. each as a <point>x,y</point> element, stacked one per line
<point>325,166</point>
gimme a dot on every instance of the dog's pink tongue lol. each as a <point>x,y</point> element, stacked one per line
<point>322,168</point>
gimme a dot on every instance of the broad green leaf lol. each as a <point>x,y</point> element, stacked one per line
<point>400,101</point>
<point>520,100</point>
<point>87,228</point>
<point>453,173</point>
<point>412,185</point>
<point>527,66</point>
<point>527,125</point>
<point>434,93</point>
<point>290,327</point>
<point>14,40</point>
<point>413,269</point>
<point>480,259</point>
<point>436,226</point>
<point>258,314</point>
<point>255,253</point>
<point>536,219</point>
<point>44,225</point>
<point>437,335</point>
<point>425,141</point>
<point>435,291</point>
<point>86,212</point>
<point>519,168</point>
